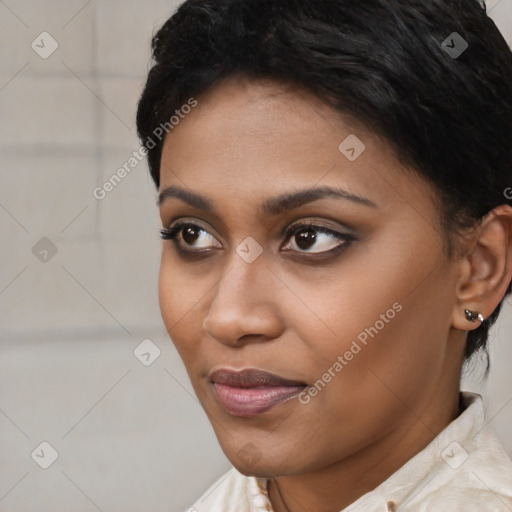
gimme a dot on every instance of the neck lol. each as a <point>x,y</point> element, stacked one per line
<point>333,488</point>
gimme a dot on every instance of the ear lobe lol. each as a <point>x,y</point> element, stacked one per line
<point>486,271</point>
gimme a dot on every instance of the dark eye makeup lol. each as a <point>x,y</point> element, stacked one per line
<point>305,236</point>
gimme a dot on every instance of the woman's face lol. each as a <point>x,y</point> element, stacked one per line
<point>354,307</point>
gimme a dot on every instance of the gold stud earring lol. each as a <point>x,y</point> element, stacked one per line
<point>473,315</point>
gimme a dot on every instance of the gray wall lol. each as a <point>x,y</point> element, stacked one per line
<point>129,437</point>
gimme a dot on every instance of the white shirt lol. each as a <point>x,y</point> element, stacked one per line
<point>463,469</point>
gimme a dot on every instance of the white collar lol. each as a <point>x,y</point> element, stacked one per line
<point>464,468</point>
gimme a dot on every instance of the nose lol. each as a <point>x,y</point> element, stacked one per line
<point>245,305</point>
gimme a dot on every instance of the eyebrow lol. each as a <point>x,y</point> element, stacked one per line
<point>273,206</point>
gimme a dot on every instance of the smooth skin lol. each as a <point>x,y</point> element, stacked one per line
<point>297,307</point>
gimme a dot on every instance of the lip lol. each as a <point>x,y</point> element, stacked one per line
<point>251,377</point>
<point>251,391</point>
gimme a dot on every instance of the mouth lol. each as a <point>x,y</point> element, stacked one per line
<point>251,391</point>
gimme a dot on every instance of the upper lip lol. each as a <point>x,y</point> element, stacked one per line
<point>251,377</point>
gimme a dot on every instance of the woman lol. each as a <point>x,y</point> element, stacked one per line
<point>334,187</point>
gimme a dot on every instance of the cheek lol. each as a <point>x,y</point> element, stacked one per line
<point>365,292</point>
<point>168,294</point>
<point>179,299</point>
<point>377,313</point>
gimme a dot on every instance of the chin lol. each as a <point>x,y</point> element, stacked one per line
<point>251,462</point>
<point>260,470</point>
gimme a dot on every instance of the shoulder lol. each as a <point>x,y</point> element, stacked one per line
<point>476,493</point>
<point>482,483</point>
<point>463,469</point>
<point>475,476</point>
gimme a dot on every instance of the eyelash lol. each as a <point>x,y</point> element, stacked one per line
<point>172,232</point>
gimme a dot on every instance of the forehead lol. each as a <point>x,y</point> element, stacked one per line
<point>248,140</point>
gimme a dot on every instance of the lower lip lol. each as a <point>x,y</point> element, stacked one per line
<point>253,401</point>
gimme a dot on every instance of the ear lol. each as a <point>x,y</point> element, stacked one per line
<point>486,268</point>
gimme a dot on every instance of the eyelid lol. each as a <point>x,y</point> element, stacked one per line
<point>185,221</point>
<point>345,239</point>
<point>343,230</point>
<point>327,224</point>
<point>175,227</point>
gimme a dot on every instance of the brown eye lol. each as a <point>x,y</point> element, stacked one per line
<point>190,234</point>
<point>312,239</point>
<point>305,239</point>
<point>187,235</point>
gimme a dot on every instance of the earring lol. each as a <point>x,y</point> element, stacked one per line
<point>473,315</point>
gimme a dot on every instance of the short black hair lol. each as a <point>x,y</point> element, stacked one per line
<point>395,65</point>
